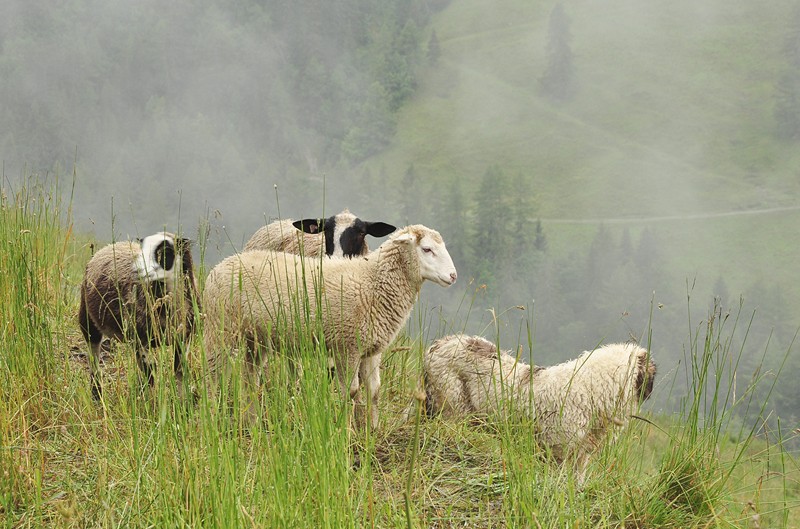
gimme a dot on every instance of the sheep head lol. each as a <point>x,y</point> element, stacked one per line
<point>162,257</point>
<point>435,263</point>
<point>345,229</point>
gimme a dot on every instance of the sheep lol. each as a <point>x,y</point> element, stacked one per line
<point>360,305</point>
<point>576,405</point>
<point>343,234</point>
<point>143,292</point>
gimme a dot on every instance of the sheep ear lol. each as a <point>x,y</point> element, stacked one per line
<point>310,225</point>
<point>379,229</point>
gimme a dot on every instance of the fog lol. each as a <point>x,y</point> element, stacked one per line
<point>172,114</point>
<point>659,175</point>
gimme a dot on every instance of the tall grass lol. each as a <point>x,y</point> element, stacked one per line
<point>149,459</point>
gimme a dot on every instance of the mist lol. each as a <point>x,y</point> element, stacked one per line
<point>658,174</point>
<point>172,114</point>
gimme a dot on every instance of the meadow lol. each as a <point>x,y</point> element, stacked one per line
<point>145,458</point>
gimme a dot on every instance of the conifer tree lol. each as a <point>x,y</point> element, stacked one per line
<point>558,81</point>
<point>492,226</point>
<point>409,209</point>
<point>721,293</point>
<point>540,239</point>
<point>434,50</point>
<point>451,222</point>
<point>787,88</point>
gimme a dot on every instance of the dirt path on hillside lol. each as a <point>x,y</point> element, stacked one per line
<point>668,218</point>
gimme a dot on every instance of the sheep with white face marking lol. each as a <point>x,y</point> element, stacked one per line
<point>576,405</point>
<point>342,235</point>
<point>140,292</point>
<point>363,304</point>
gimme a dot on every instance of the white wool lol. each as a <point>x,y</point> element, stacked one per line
<point>282,236</point>
<point>576,405</point>
<point>365,302</point>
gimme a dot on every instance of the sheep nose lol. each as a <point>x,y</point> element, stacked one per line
<point>453,277</point>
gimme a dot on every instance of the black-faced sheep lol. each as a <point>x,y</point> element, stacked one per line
<point>141,292</point>
<point>361,304</point>
<point>342,235</point>
<point>576,405</point>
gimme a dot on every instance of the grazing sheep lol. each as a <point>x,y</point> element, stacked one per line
<point>343,235</point>
<point>143,292</point>
<point>576,404</point>
<point>361,304</point>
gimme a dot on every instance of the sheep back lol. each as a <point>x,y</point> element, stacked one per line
<point>574,404</point>
<point>342,235</point>
<point>282,236</point>
<point>466,375</point>
<point>580,402</point>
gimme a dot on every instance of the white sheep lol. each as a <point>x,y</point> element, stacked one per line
<point>342,235</point>
<point>576,405</point>
<point>360,304</point>
<point>143,292</point>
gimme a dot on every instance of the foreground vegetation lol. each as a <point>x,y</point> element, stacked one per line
<point>145,458</point>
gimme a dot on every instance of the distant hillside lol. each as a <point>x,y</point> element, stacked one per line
<point>672,113</point>
<point>663,176</point>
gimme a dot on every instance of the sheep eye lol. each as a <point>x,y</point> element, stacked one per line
<point>427,250</point>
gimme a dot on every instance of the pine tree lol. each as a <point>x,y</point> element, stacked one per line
<point>558,81</point>
<point>520,211</point>
<point>434,50</point>
<point>491,237</point>
<point>721,293</point>
<point>787,106</point>
<point>647,259</point>
<point>602,255</point>
<point>626,245</point>
<point>366,189</point>
<point>540,240</point>
<point>787,88</point>
<point>521,261</point>
<point>451,221</point>
<point>409,210</point>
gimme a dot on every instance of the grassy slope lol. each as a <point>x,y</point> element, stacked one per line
<point>143,460</point>
<point>673,117</point>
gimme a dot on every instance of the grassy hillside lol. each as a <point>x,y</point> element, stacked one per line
<point>666,95</point>
<point>673,117</point>
<point>144,458</point>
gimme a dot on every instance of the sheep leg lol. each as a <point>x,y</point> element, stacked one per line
<point>370,374</point>
<point>252,364</point>
<point>93,337</point>
<point>94,370</point>
<point>347,367</point>
<point>580,463</point>
<point>145,365</point>
<point>177,364</point>
<point>179,353</point>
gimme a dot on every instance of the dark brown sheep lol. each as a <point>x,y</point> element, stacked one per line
<point>142,292</point>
